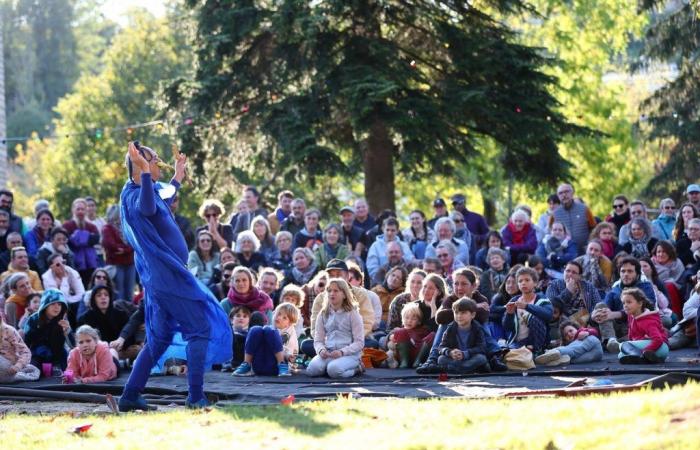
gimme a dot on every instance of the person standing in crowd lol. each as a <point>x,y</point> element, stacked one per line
<point>241,221</point>
<point>692,193</point>
<point>294,222</point>
<point>119,254</point>
<point>576,216</point>
<point>83,235</point>
<point>350,234</point>
<point>620,215</point>
<point>283,210</point>
<point>6,200</point>
<point>475,222</point>
<point>183,223</point>
<point>363,218</point>
<point>440,210</point>
<point>546,218</point>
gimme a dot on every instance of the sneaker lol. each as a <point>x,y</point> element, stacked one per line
<point>429,368</point>
<point>563,359</point>
<point>613,346</point>
<point>134,405</point>
<point>651,357</point>
<point>547,357</point>
<point>244,370</point>
<point>282,369</point>
<point>226,367</point>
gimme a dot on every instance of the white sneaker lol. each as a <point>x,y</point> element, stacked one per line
<point>548,356</point>
<point>613,346</point>
<point>563,359</point>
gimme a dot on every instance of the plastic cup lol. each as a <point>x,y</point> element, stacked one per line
<point>68,375</point>
<point>46,369</point>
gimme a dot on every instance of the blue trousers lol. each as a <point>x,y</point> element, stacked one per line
<point>491,343</point>
<point>262,343</point>
<point>124,282</point>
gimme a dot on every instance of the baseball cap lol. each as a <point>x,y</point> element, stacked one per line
<point>337,264</point>
<point>692,188</point>
<point>459,198</point>
<point>439,202</point>
<point>349,209</point>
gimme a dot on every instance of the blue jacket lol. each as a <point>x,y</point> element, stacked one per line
<point>556,258</point>
<point>542,309</point>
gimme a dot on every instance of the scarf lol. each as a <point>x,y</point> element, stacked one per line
<point>608,248</point>
<point>254,299</point>
<point>554,245</point>
<point>304,277</point>
<point>519,236</point>
<point>331,252</point>
<point>593,273</point>
<point>639,246</point>
<point>620,220</point>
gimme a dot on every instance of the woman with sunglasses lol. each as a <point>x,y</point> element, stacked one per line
<point>211,211</point>
<point>620,214</point>
<point>204,258</point>
<point>666,221</point>
<point>68,281</point>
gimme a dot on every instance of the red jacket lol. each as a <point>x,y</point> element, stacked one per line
<point>647,325</point>
<point>117,251</point>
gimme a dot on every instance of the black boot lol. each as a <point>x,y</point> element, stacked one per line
<point>422,354</point>
<point>497,364</point>
<point>430,367</point>
<point>631,354</point>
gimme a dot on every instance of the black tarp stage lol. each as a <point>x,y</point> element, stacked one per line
<point>377,383</point>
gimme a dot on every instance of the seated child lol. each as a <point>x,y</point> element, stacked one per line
<point>463,346</point>
<point>14,357</point>
<point>412,342</point>
<point>528,315</point>
<point>648,342</point>
<point>580,345</point>
<point>339,334</point>
<point>33,301</point>
<point>240,323</point>
<point>295,295</point>
<point>47,331</point>
<point>92,361</point>
<point>268,350</point>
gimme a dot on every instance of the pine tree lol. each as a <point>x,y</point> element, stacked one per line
<point>377,87</point>
<point>672,111</point>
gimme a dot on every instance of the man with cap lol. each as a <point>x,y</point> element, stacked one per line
<point>440,208</point>
<point>337,268</point>
<point>474,222</point>
<point>693,194</point>
<point>351,235</point>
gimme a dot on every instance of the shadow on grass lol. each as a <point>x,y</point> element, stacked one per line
<point>301,420</point>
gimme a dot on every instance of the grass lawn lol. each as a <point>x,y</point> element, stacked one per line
<point>646,419</point>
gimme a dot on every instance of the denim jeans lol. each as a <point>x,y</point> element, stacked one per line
<point>585,351</point>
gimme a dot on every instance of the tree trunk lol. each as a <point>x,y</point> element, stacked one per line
<point>489,209</point>
<point>379,168</point>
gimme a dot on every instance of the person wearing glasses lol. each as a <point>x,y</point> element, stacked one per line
<point>666,221</point>
<point>638,210</point>
<point>211,211</point>
<point>202,260</point>
<point>620,214</point>
<point>474,222</point>
<point>67,280</point>
<point>172,294</point>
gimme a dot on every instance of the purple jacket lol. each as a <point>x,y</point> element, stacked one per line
<point>476,224</point>
<point>529,244</point>
<point>82,242</point>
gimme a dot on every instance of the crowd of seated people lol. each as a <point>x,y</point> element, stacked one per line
<point>334,295</point>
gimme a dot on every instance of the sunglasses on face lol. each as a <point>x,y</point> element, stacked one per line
<point>100,277</point>
<point>226,276</point>
<point>205,240</point>
<point>458,221</point>
<point>211,215</point>
<point>620,206</point>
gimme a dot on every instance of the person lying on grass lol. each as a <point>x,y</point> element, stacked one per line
<point>580,345</point>
<point>92,361</point>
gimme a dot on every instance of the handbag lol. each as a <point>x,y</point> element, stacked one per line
<point>519,359</point>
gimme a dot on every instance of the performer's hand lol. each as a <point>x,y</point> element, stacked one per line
<point>180,164</point>
<point>137,159</point>
<point>117,344</point>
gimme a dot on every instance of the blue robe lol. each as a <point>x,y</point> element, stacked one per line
<point>175,300</point>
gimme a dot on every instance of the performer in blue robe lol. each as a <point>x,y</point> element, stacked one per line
<point>175,299</point>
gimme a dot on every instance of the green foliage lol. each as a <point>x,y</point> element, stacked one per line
<point>121,93</point>
<point>310,89</point>
<point>672,110</point>
<point>590,38</point>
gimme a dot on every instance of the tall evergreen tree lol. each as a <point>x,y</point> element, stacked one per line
<point>387,86</point>
<point>672,111</point>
